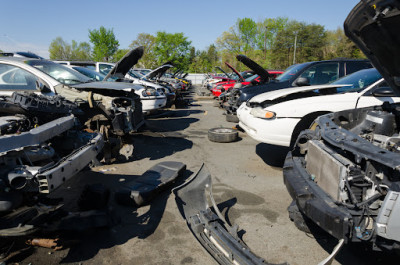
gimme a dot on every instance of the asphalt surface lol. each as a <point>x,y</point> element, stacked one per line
<point>247,186</point>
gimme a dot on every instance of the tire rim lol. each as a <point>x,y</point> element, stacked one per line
<point>223,130</point>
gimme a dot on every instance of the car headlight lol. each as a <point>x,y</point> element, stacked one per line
<point>262,114</point>
<point>149,92</point>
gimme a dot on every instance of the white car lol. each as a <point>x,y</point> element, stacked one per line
<point>19,70</point>
<point>277,117</point>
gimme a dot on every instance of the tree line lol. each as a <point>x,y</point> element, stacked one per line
<point>274,43</point>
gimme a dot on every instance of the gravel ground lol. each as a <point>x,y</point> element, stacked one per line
<point>247,181</point>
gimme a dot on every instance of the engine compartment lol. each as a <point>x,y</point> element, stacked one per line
<point>353,157</point>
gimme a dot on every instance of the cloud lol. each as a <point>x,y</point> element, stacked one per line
<point>7,44</point>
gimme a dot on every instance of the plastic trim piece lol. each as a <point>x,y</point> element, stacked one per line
<point>216,236</point>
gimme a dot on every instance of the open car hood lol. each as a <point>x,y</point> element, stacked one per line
<point>373,26</point>
<point>126,63</point>
<point>222,70</point>
<point>241,79</point>
<point>264,75</point>
<point>158,72</point>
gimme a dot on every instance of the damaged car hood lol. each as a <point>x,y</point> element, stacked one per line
<point>241,79</point>
<point>264,75</point>
<point>373,26</point>
<point>275,94</point>
<point>126,63</point>
<point>158,72</point>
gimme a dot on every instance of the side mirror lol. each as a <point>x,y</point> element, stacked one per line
<point>302,81</point>
<point>40,85</point>
<point>383,92</point>
<point>223,90</point>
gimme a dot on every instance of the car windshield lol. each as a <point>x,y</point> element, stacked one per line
<point>105,68</point>
<point>251,78</point>
<point>59,72</point>
<point>357,81</point>
<point>135,74</point>
<point>96,76</point>
<point>291,71</point>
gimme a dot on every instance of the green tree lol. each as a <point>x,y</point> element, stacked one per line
<point>230,41</point>
<point>80,51</point>
<point>338,45</point>
<point>62,50</point>
<point>147,41</point>
<point>247,29</point>
<point>267,31</point>
<point>310,40</point>
<point>104,44</point>
<point>119,54</point>
<point>174,47</point>
<point>59,49</point>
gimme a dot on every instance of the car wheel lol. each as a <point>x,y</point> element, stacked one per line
<point>232,118</point>
<point>222,135</point>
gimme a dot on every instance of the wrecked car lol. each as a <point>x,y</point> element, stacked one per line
<point>343,174</point>
<point>121,71</point>
<point>41,147</point>
<point>277,117</point>
<point>299,75</point>
<point>112,108</point>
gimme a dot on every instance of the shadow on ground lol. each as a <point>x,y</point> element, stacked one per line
<point>272,155</point>
<point>130,222</point>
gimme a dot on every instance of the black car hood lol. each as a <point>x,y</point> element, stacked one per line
<point>158,72</point>
<point>126,63</point>
<point>374,26</point>
<point>264,75</point>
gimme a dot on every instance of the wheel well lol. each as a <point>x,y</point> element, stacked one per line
<point>304,123</point>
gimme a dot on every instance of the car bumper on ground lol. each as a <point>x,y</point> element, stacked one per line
<point>208,224</point>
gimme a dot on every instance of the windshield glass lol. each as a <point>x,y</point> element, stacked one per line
<point>105,68</point>
<point>89,73</point>
<point>135,74</point>
<point>59,72</point>
<point>251,78</point>
<point>358,80</point>
<point>291,71</point>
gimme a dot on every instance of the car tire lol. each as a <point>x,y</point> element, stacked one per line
<point>222,135</point>
<point>232,118</point>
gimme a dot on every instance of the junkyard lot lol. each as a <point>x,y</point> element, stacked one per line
<point>247,180</point>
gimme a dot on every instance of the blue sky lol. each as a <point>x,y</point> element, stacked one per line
<point>32,25</point>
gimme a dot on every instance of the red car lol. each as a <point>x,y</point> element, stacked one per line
<point>253,78</point>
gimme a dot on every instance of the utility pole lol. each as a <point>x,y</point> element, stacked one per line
<point>265,43</point>
<point>295,45</point>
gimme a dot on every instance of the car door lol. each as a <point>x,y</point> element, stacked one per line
<point>322,73</point>
<point>16,79</point>
<point>377,95</point>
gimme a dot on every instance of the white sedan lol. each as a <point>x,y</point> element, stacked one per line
<point>277,117</point>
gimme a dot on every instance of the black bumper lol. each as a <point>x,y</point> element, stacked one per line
<point>313,202</point>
